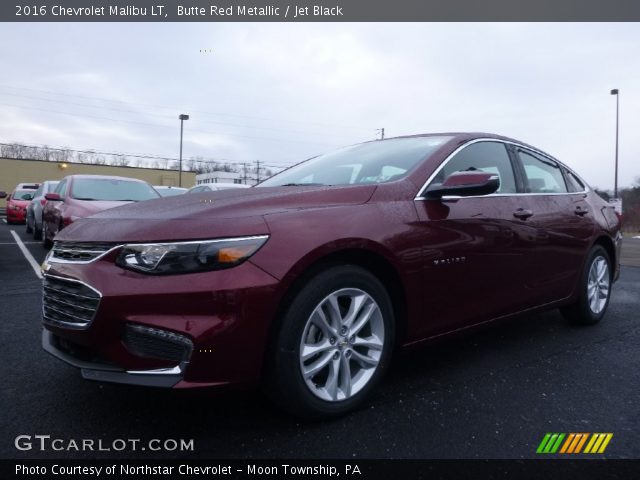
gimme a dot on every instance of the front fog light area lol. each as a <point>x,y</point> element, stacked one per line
<point>188,257</point>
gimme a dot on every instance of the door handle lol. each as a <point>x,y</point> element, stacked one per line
<point>522,213</point>
<point>581,211</point>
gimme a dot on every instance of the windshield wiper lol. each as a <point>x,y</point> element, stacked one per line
<point>86,199</point>
<point>303,185</point>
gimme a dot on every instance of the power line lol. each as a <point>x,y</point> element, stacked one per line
<point>160,126</point>
<point>168,117</point>
<point>297,122</point>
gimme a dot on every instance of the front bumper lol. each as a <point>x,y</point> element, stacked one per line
<point>225,314</point>
<point>105,372</point>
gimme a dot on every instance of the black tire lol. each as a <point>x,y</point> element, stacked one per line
<point>46,243</point>
<point>28,227</point>
<point>581,312</point>
<point>285,382</point>
<point>37,232</point>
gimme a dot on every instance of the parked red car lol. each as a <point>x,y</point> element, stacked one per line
<point>18,201</point>
<point>307,283</point>
<point>78,196</point>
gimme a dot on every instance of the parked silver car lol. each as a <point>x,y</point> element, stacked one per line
<point>34,209</point>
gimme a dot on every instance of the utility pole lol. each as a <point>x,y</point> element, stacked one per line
<point>258,170</point>
<point>244,170</point>
<point>381,130</point>
<point>182,118</point>
<point>615,184</point>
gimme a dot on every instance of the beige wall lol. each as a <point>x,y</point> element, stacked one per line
<point>13,172</point>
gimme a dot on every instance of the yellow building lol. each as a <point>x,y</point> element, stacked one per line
<point>13,172</point>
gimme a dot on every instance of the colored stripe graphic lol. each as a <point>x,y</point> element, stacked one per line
<point>574,443</point>
<point>550,443</point>
<point>598,443</point>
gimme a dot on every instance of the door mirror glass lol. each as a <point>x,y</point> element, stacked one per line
<point>3,195</point>
<point>464,184</point>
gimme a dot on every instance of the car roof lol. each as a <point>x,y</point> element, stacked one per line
<point>104,177</point>
<point>27,186</point>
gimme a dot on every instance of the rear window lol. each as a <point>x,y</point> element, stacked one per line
<point>20,194</point>
<point>111,189</point>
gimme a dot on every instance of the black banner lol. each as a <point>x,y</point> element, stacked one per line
<point>298,469</point>
<point>317,11</point>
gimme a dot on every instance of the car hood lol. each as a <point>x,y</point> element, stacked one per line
<point>90,207</point>
<point>19,203</point>
<point>207,215</point>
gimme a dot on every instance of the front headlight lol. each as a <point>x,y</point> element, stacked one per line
<point>188,257</point>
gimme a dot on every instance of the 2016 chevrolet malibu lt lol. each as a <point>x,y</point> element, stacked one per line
<point>308,283</point>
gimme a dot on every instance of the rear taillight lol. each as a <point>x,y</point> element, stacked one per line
<point>66,221</point>
<point>43,201</point>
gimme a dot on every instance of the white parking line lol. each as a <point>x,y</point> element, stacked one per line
<point>27,255</point>
<point>4,220</point>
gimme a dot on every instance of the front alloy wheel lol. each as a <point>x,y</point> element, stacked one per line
<point>333,343</point>
<point>341,344</point>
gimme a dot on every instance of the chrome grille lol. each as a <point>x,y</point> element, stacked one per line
<point>68,303</point>
<point>79,252</point>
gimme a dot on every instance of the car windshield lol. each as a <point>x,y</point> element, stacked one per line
<point>170,192</point>
<point>20,194</point>
<point>365,163</point>
<point>112,189</point>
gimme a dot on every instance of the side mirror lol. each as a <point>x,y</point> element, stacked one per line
<point>3,194</point>
<point>465,184</point>
<point>53,197</point>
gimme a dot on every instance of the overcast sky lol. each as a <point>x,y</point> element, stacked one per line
<point>284,92</point>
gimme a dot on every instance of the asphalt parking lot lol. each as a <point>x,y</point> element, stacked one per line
<point>491,394</point>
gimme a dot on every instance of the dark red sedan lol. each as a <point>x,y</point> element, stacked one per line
<point>78,196</point>
<point>307,283</point>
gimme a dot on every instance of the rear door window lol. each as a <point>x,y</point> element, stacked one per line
<point>543,175</point>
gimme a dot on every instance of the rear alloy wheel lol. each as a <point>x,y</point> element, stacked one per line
<point>334,345</point>
<point>595,289</point>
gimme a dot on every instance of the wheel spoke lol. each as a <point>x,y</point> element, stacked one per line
<point>363,319</point>
<point>331,386</point>
<point>602,270</point>
<point>309,350</point>
<point>312,370</point>
<point>593,302</point>
<point>335,318</point>
<point>345,376</point>
<point>364,360</point>
<point>319,319</point>
<point>371,342</point>
<point>354,309</point>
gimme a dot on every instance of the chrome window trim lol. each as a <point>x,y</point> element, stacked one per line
<point>71,325</point>
<point>420,195</point>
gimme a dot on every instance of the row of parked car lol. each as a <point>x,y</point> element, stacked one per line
<point>48,207</point>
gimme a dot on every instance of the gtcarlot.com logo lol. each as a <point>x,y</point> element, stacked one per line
<point>574,443</point>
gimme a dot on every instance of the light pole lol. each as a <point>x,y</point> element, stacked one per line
<point>615,184</point>
<point>182,118</point>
